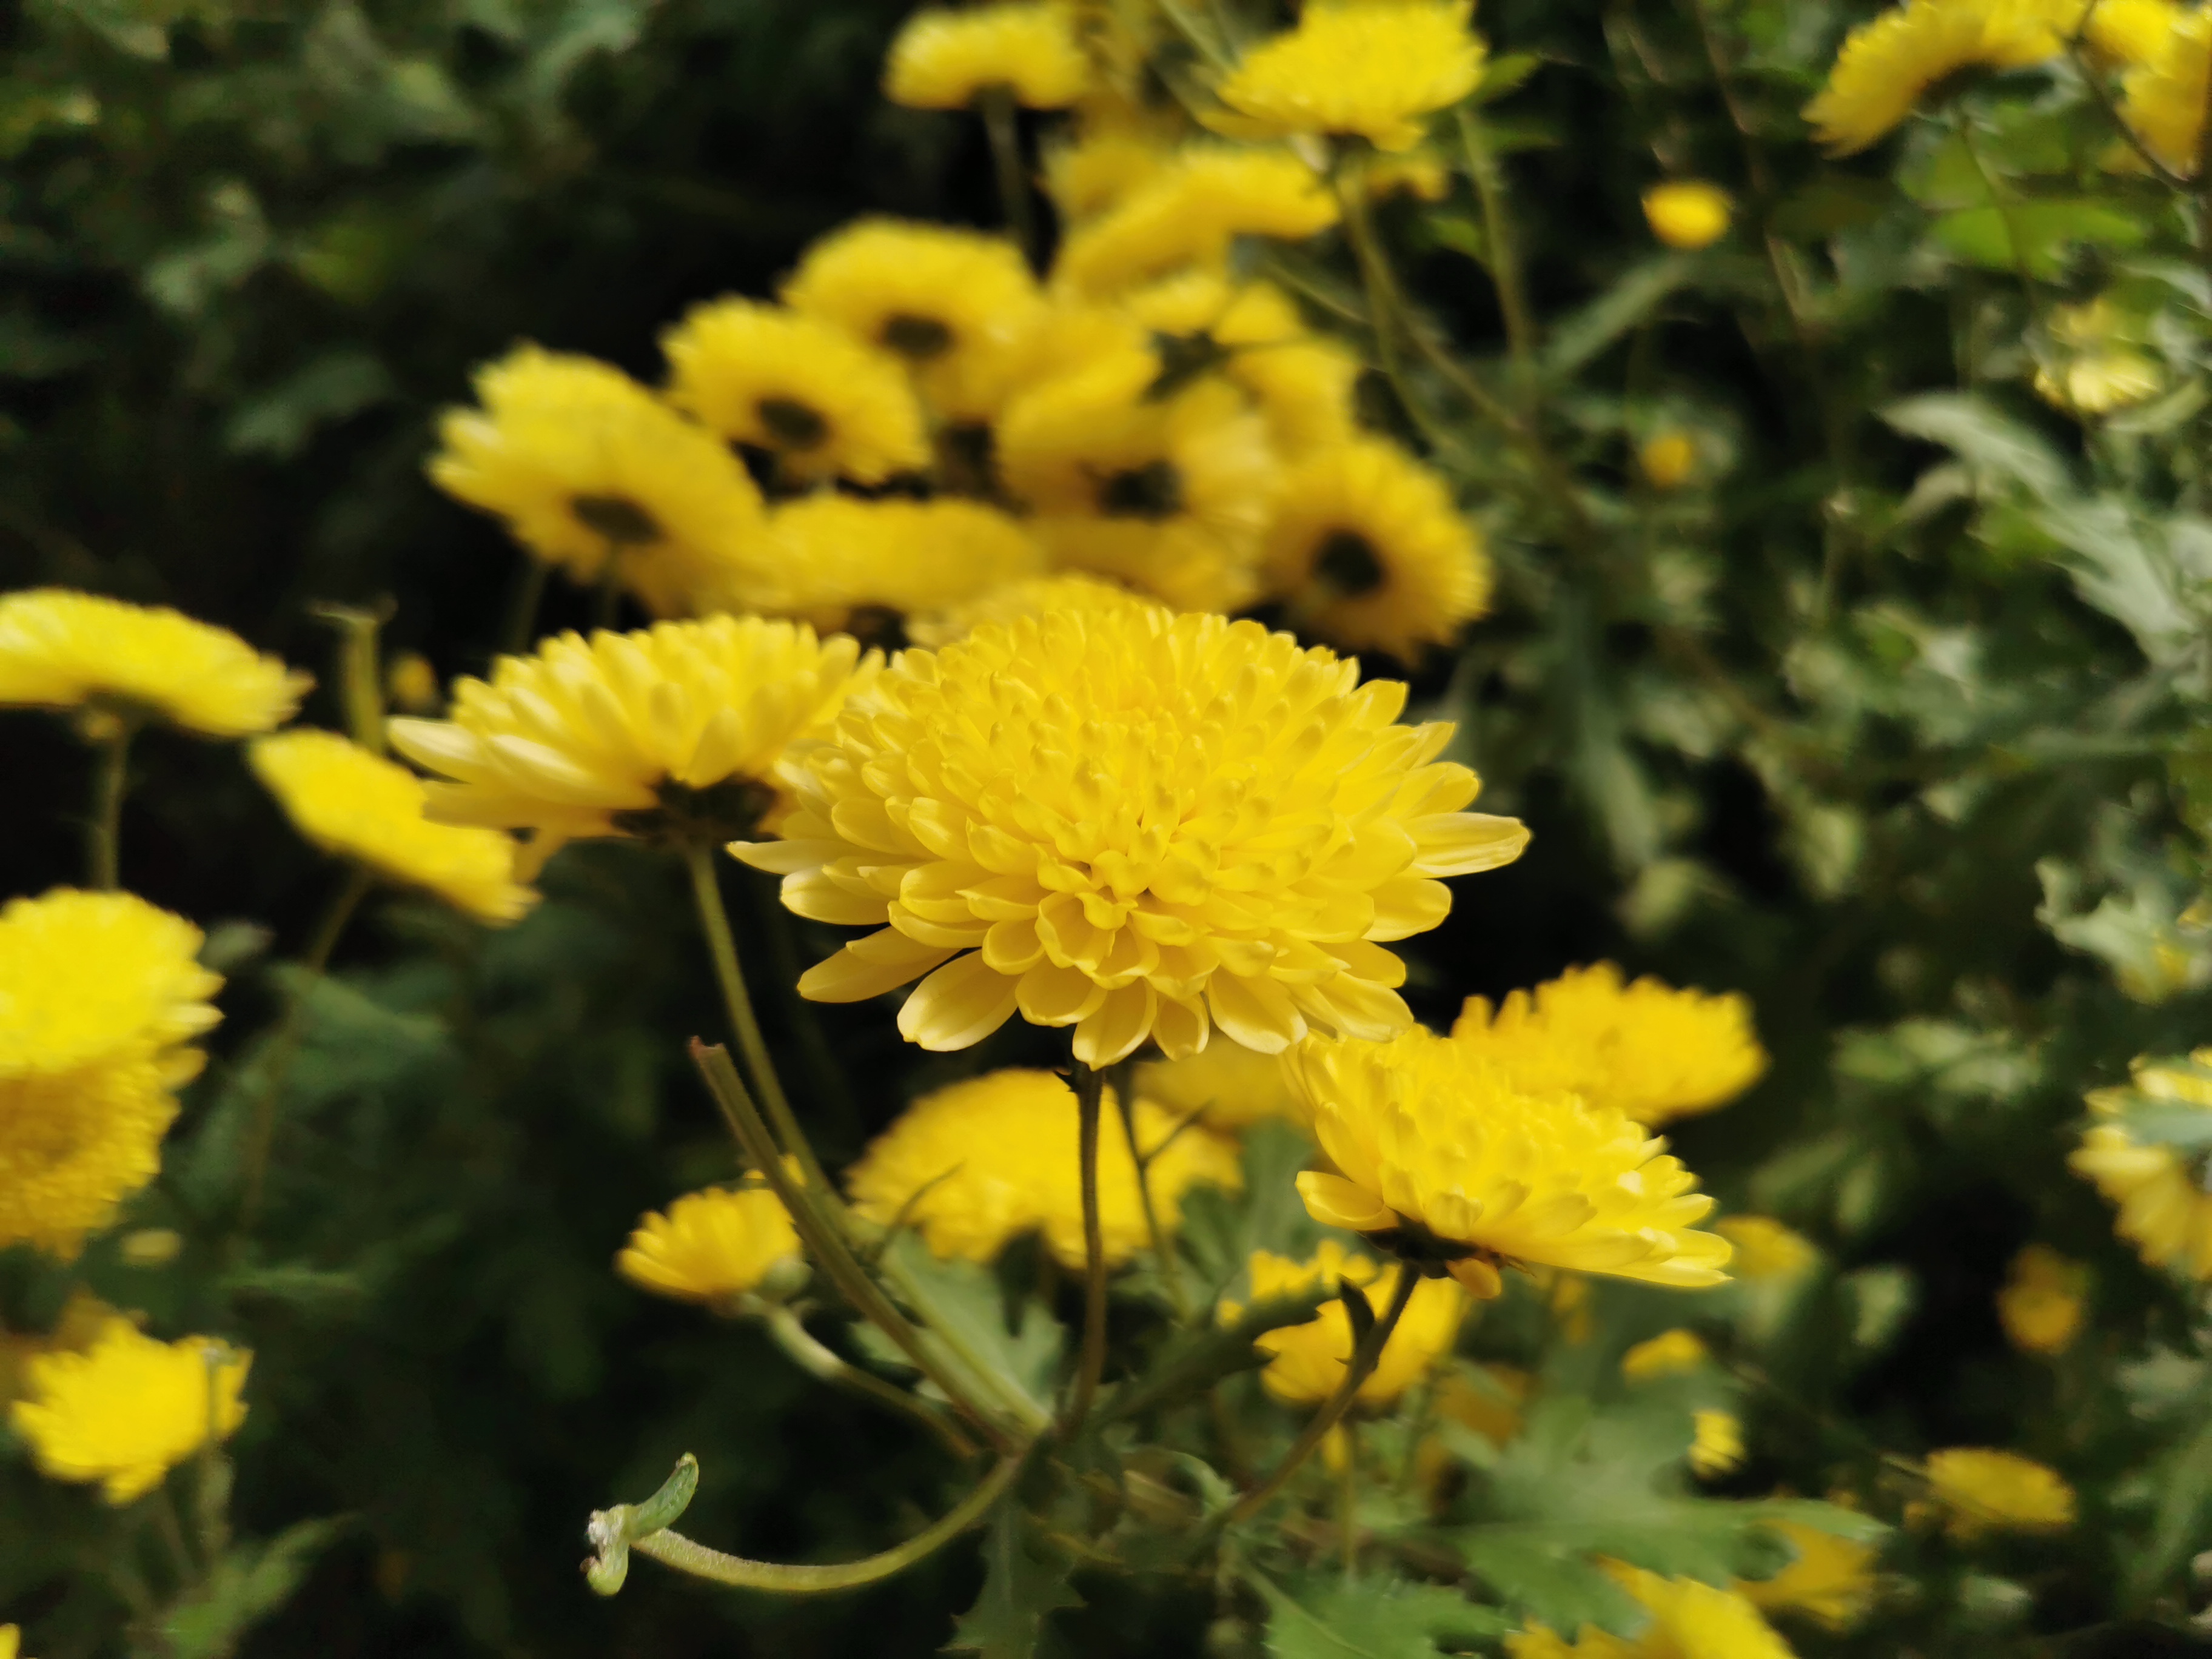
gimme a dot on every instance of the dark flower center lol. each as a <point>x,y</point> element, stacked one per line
<point>1347,561</point>
<point>618,518</point>
<point>792,424</point>
<point>918,337</point>
<point>1153,490</point>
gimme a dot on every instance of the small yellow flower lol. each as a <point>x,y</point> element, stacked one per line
<point>1136,823</point>
<point>1655,1053</point>
<point>1034,596</point>
<point>2128,32</point>
<point>84,1317</point>
<point>845,555</point>
<point>1026,50</point>
<point>2162,99</point>
<point>712,1246</point>
<point>88,977</point>
<point>129,1409</point>
<point>1687,213</point>
<point>11,1641</point>
<point>1199,203</point>
<point>1766,1250</point>
<point>1689,1621</point>
<point>1225,1087</point>
<point>1368,71</point>
<point>1102,168</point>
<point>2041,1304</point>
<point>1717,1447</point>
<point>1671,1353</point>
<point>673,729</point>
<point>1829,1579</point>
<point>1300,384</point>
<point>1983,1491</point>
<point>74,1145</point>
<point>975,1166</point>
<point>1667,458</point>
<point>150,1247</point>
<point>2165,1212</point>
<point>60,649</point>
<point>411,683</point>
<point>1306,1362</point>
<point>361,806</point>
<point>1887,65</point>
<point>1438,1154</point>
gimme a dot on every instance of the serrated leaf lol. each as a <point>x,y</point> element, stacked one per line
<point>1330,1618</point>
<point>249,1584</point>
<point>1021,1588</point>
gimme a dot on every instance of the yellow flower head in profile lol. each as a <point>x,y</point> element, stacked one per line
<point>61,649</point>
<point>1829,1579</point>
<point>1306,1362</point>
<point>973,1166</point>
<point>1689,1621</point>
<point>1223,1086</point>
<point>1033,596</point>
<point>363,806</point>
<point>1135,823</point>
<point>1208,196</point>
<point>2162,99</point>
<point>2165,1212</point>
<point>1885,66</point>
<point>1370,70</point>
<point>712,1246</point>
<point>1667,458</point>
<point>843,555</point>
<point>1671,1353</point>
<point>1368,551</point>
<point>1718,1445</point>
<point>825,403</point>
<point>1766,1250</point>
<point>1982,1491</point>
<point>129,1409</point>
<point>1655,1053</point>
<point>1687,213</point>
<point>1025,50</point>
<point>584,464</point>
<point>1439,1157</point>
<point>671,729</point>
<point>2040,1306</point>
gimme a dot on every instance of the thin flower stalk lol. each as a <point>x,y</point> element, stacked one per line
<point>1089,1087</point>
<point>819,1361</point>
<point>1163,1249</point>
<point>110,781</point>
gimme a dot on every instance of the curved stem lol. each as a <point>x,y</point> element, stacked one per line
<point>522,617</point>
<point>1090,1085</point>
<point>1505,261</point>
<point>1002,123</point>
<point>1163,1247</point>
<point>819,1361</point>
<point>104,829</point>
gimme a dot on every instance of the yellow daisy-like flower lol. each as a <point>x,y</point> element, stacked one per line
<point>973,1166</point>
<point>2128,32</point>
<point>84,1317</point>
<point>1667,458</point>
<point>1099,169</point>
<point>2165,1212</point>
<point>1306,1362</point>
<point>1766,1250</point>
<point>1370,70</point>
<point>1138,825</point>
<point>1034,596</point>
<point>672,730</point>
<point>2040,1306</point>
<point>1689,1621</point>
<point>2162,99</point>
<point>1437,1155</point>
<point>712,1246</point>
<point>1655,1053</point>
<point>90,977</point>
<point>1687,213</point>
<point>1671,1353</point>
<point>74,1145</point>
<point>1718,1446</point>
<point>1225,1087</point>
<point>11,1641</point>
<point>1829,1579</point>
<point>1982,1491</point>
<point>1026,50</point>
<point>129,1409</point>
<point>1885,66</point>
<point>1253,334</point>
<point>62,649</point>
<point>1188,214</point>
<point>1368,551</point>
<point>361,806</point>
<point>844,555</point>
<point>825,403</point>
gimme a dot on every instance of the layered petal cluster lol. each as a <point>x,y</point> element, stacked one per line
<point>1885,67</point>
<point>1135,823</point>
<point>844,557</point>
<point>1225,1087</point>
<point>129,1409</point>
<point>364,807</point>
<point>1187,215</point>
<point>2126,31</point>
<point>712,1246</point>
<point>1689,1621</point>
<point>1369,69</point>
<point>1651,1051</point>
<point>632,733</point>
<point>1438,1153</point>
<point>2165,1211</point>
<point>975,1166</point>
<point>2162,99</point>
<point>62,649</point>
<point>2041,1305</point>
<point>1101,167</point>
<point>1033,596</point>
<point>2100,365</point>
<point>1306,1362</point>
<point>1687,213</point>
<point>1983,1491</point>
<point>1026,50</point>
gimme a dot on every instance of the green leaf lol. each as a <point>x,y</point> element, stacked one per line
<point>1332,1618</point>
<point>964,1302</point>
<point>1220,1230</point>
<point>1547,1577</point>
<point>1975,430</point>
<point>249,1584</point>
<point>1020,1589</point>
<point>278,422</point>
<point>1589,332</point>
<point>2123,563</point>
<point>1506,73</point>
<point>1983,235</point>
<point>1190,1362</point>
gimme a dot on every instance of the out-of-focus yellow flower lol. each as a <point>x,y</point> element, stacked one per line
<point>2165,1212</point>
<point>2162,99</point>
<point>673,729</point>
<point>712,1246</point>
<point>1254,336</point>
<point>1718,1446</point>
<point>1887,65</point>
<point>1438,1156</point>
<point>1568,1296</point>
<point>1829,1579</point>
<point>1655,1053</point>
<point>1982,1491</point>
<point>1025,50</point>
<point>1202,200</point>
<point>584,464</point>
<point>1423,175</point>
<point>1102,168</point>
<point>1490,1400</point>
<point>1306,1362</point>
<point>1033,596</point>
<point>973,1166</point>
<point>11,1641</point>
<point>826,404</point>
<point>84,1317</point>
<point>1226,1087</point>
<point>74,1145</point>
<point>1766,1250</point>
<point>150,1247</point>
<point>2101,365</point>
<point>2040,1306</point>
<point>1689,1621</point>
<point>1367,550</point>
<point>411,683</point>
<point>2127,30</point>
<point>1687,213</point>
<point>129,1409</point>
<point>1671,1353</point>
<point>363,806</point>
<point>845,557</point>
<point>1667,458</point>
<point>61,649</point>
<point>1368,71</point>
<point>1136,823</point>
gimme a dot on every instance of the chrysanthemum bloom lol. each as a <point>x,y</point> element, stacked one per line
<point>1718,1445</point>
<point>846,558</point>
<point>1671,1353</point>
<point>60,649</point>
<point>1687,213</point>
<point>973,1166</point>
<point>1208,196</point>
<point>1655,1053</point>
<point>2162,99</point>
<point>1026,50</point>
<point>1667,458</point>
<point>1885,66</point>
<point>1689,1621</point>
<point>584,464</point>
<point>1766,1250</point>
<point>714,1246</point>
<point>2126,31</point>
<point>1440,1158</point>
<point>1100,168</point>
<point>84,1317</point>
<point>1368,71</point>
<point>129,1409</point>
<point>1829,1579</point>
<point>1253,336</point>
<point>1306,1362</point>
<point>2165,1211</point>
<point>2040,1305</point>
<point>670,730</point>
<point>1138,825</point>
<point>1226,1087</point>
<point>361,806</point>
<point>1983,1491</point>
<point>1033,596</point>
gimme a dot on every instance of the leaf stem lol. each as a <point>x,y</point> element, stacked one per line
<point>1002,126</point>
<point>522,614</point>
<point>1163,1246</point>
<point>1090,1086</point>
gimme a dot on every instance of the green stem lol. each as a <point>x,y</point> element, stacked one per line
<point>110,782</point>
<point>1090,1085</point>
<point>211,1493</point>
<point>1347,1502</point>
<point>360,684</point>
<point>522,614</point>
<point>1002,125</point>
<point>166,1523</point>
<point>1505,261</point>
<point>819,1361</point>
<point>1163,1249</point>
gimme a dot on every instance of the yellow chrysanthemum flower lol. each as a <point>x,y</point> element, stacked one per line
<point>712,1246</point>
<point>1225,1087</point>
<point>1306,1362</point>
<point>84,1317</point>
<point>11,1641</point>
<point>129,1409</point>
<point>1718,1446</point>
<point>1687,213</point>
<point>1671,1353</point>
<point>2165,1212</point>
<point>1188,214</point>
<point>1026,50</point>
<point>61,649</point>
<point>1367,550</point>
<point>1253,334</point>
<point>1439,1155</point>
<point>1829,1579</point>
<point>674,729</point>
<point>843,555</point>
<point>2127,31</point>
<point>1689,1621</point>
<point>74,1145</point>
<point>1138,825</point>
<point>1766,1250</point>
<point>361,806</point>
<point>1100,169</point>
<point>1885,66</point>
<point>89,977</point>
<point>1035,596</point>
<point>825,403</point>
<point>2162,99</point>
<point>2102,365</point>
<point>1655,1053</point>
<point>2040,1306</point>
<point>1983,1491</point>
<point>1366,70</point>
<point>1667,458</point>
<point>973,1166</point>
